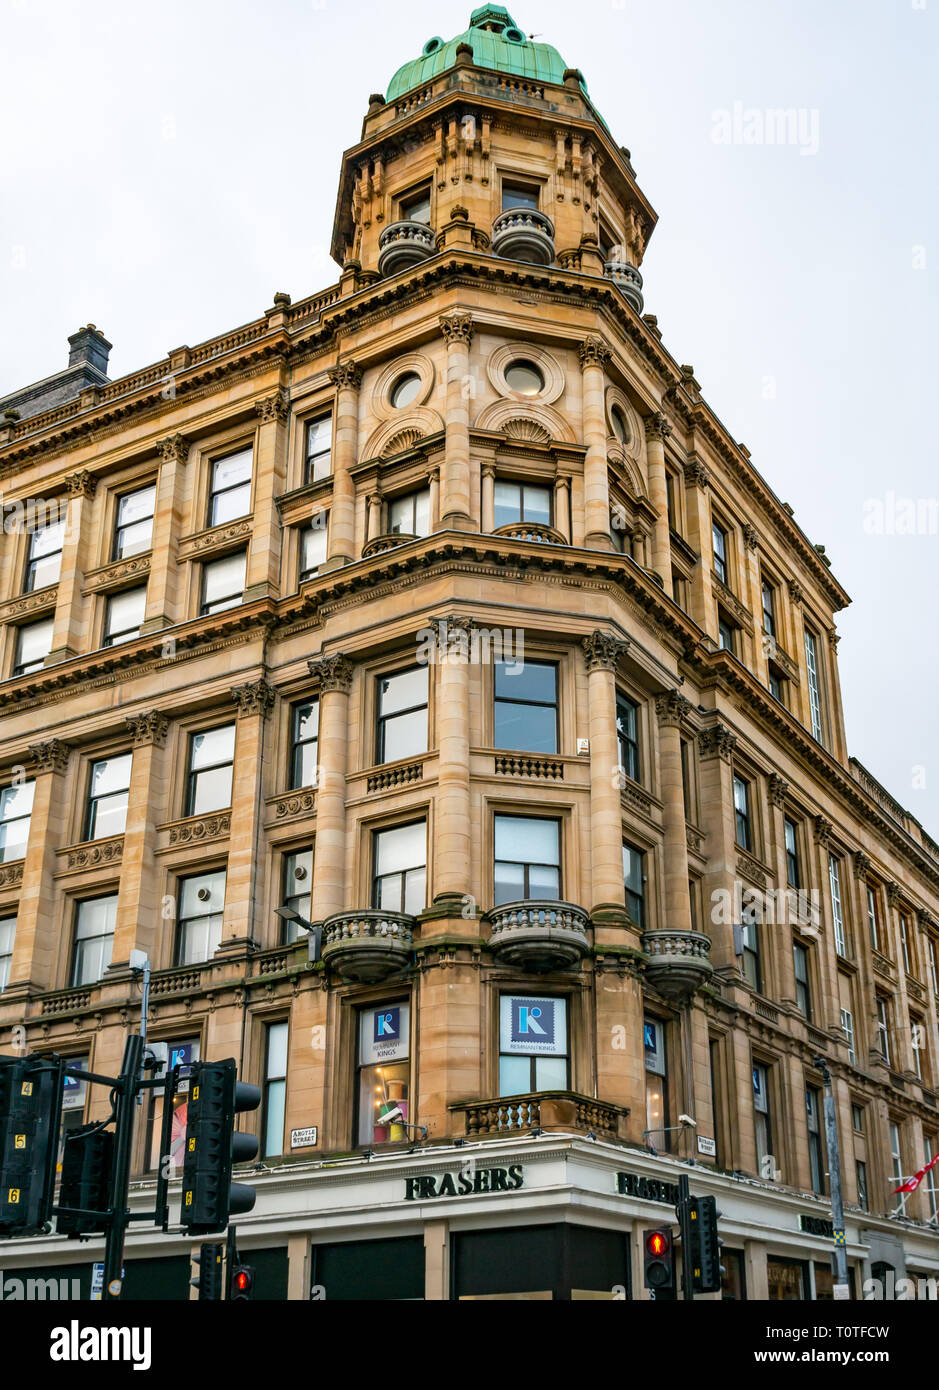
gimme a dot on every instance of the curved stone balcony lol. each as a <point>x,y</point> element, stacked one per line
<point>402,244</point>
<point>531,531</point>
<point>524,234</point>
<point>628,279</point>
<point>378,544</point>
<point>679,961</point>
<point>368,946</point>
<point>539,936</point>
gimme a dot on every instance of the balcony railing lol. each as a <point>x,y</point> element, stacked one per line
<point>539,936</point>
<point>679,961</point>
<point>378,544</point>
<point>565,1110</point>
<point>402,244</point>
<point>628,279</point>
<point>524,234</point>
<point>531,531</point>
<point>368,946</point>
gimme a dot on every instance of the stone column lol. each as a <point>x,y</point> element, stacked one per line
<point>562,506</point>
<point>594,354</point>
<point>262,578</point>
<point>903,1037</point>
<point>374,515</point>
<point>452,867</point>
<point>334,674</point>
<point>433,480</point>
<point>164,587</point>
<point>436,1260</point>
<point>37,946</point>
<point>139,920</point>
<point>701,607</point>
<point>70,633</point>
<point>608,892</point>
<point>671,709</point>
<point>657,431</point>
<point>776,938</point>
<point>716,798</point>
<point>298,1267</point>
<point>488,498</point>
<point>244,881</point>
<point>347,378</point>
<point>762,642</point>
<point>455,507</point>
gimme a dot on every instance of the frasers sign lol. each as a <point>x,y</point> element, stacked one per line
<point>464,1183</point>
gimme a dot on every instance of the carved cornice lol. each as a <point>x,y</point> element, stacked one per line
<point>215,538</point>
<point>96,852</point>
<point>173,449</point>
<point>717,742</point>
<point>333,672</point>
<point>593,352</point>
<point>602,650</point>
<point>200,828</point>
<point>778,789</point>
<point>751,869</point>
<point>457,329</point>
<point>151,727</point>
<point>118,570</point>
<point>345,376</point>
<point>273,408</point>
<point>298,803</point>
<point>656,426</point>
<point>256,697</point>
<point>51,756</point>
<point>81,484</point>
<point>11,875</point>
<point>672,708</point>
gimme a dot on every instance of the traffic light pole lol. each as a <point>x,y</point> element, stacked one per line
<point>834,1178</point>
<point>119,1217</point>
<point>684,1223</point>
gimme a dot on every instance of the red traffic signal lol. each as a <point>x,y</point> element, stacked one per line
<point>657,1244</point>
<point>658,1259</point>
<point>241,1282</point>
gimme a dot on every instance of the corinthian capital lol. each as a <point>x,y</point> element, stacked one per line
<point>81,484</point>
<point>457,328</point>
<point>333,672</point>
<point>594,352</point>
<point>717,742</point>
<point>345,374</point>
<point>256,697</point>
<point>51,756</point>
<point>151,727</point>
<point>671,708</point>
<point>275,407</point>
<point>602,650</point>
<point>657,427</point>
<point>173,449</point>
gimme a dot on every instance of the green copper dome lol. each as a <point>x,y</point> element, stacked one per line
<point>496,42</point>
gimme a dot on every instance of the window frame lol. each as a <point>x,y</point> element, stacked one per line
<point>635,899</point>
<point>310,472</point>
<point>228,601</point>
<point>126,634</point>
<point>27,668</point>
<point>193,774</point>
<point>720,560</point>
<point>268,1083</point>
<point>216,492</point>
<point>528,865</point>
<point>7,948</point>
<point>298,744</point>
<point>77,953</point>
<point>523,486</point>
<point>499,700</point>
<point>814,684</point>
<point>91,801</point>
<point>377,879</point>
<point>116,552</point>
<point>800,955</point>
<point>743,817</point>
<point>631,745</point>
<point>183,922</point>
<point>382,720</point>
<point>793,863</point>
<point>33,561</point>
<point>533,1088</point>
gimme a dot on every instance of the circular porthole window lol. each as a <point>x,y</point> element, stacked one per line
<point>525,378</point>
<point>431,46</point>
<point>620,427</point>
<point>514,36</point>
<point>405,390</point>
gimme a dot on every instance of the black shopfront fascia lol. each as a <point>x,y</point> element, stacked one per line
<point>558,1261</point>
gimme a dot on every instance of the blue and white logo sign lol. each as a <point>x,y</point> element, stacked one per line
<point>529,1025</point>
<point>383,1034</point>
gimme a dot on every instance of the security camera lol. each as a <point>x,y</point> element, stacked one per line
<point>391,1116</point>
<point>687,1121</point>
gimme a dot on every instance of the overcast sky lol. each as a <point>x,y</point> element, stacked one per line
<point>166,167</point>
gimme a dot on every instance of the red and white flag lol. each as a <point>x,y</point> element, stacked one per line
<point>913,1183</point>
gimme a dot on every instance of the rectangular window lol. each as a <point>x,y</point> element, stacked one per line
<point>399,881</point>
<point>124,616</point>
<point>883,1028</point>
<point>653,1036</point>
<point>526,706</point>
<point>932,1179</point>
<point>16,809</point>
<point>769,609</point>
<point>410,515</point>
<point>726,633</point>
<point>275,1090</point>
<point>108,790</point>
<point>792,854</point>
<point>905,943</point>
<point>133,529</point>
<point>719,548</point>
<point>633,878</point>
<point>752,970</point>
<point>522,502</point>
<point>313,543</point>
<point>896,1157</point>
<point>742,813</point>
<point>863,1200</point>
<point>813,1109</point>
<point>211,755</point>
<point>933,965</point>
<point>319,448</point>
<point>44,561</point>
<point>94,937</point>
<point>670,500</point>
<point>761,1115</point>
<point>201,903</point>
<point>415,207</point>
<point>917,1042</point>
<point>298,879</point>
<point>533,1047</point>
<point>527,859</point>
<point>384,1074</point>
<point>857,1118</point>
<point>230,487</point>
<point>847,1027</point>
<point>519,195</point>
<point>223,582</point>
<point>304,743</point>
<point>7,937</point>
<point>687,788</point>
<point>33,645</point>
<point>873,917</point>
<point>777,685</point>
<point>402,715</point>
<point>627,735</point>
<point>837,911</point>
<point>815,690</point>
<point>800,957</point>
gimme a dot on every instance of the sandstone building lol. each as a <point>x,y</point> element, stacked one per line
<point>439,608</point>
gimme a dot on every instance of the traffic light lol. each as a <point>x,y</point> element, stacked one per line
<point>658,1259</point>
<point>709,1271</point>
<point>87,1163</point>
<point>213,1144</point>
<point>240,1283</point>
<point>209,1282</point>
<point>30,1111</point>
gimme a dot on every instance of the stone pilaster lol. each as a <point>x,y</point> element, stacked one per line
<point>594,354</point>
<point>262,578</point>
<point>657,431</point>
<point>452,865</point>
<point>70,629</point>
<point>38,947</point>
<point>698,515</point>
<point>165,585</point>
<point>608,893</point>
<point>334,674</point>
<point>347,378</point>
<point>716,798</point>
<point>140,923</point>
<point>455,504</point>
<point>671,710</point>
<point>245,881</point>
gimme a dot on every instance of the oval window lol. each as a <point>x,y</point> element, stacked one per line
<point>525,378</point>
<point>405,389</point>
<point>620,427</point>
